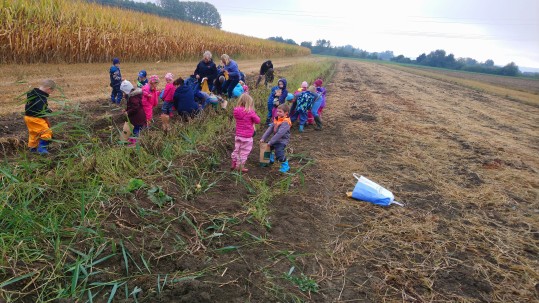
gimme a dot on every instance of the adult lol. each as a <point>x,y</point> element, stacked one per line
<point>233,72</point>
<point>206,70</point>
<point>184,99</point>
<point>266,70</point>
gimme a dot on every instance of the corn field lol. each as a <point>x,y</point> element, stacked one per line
<point>62,31</point>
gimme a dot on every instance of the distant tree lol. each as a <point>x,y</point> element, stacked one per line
<point>387,55</point>
<point>323,43</point>
<point>489,62</point>
<point>173,9</point>
<point>510,69</point>
<point>202,13</point>
<point>307,44</point>
<point>421,59</point>
<point>401,59</point>
<point>290,41</point>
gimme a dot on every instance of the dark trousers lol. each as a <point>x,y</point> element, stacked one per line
<point>278,149</point>
<point>230,84</point>
<point>116,95</point>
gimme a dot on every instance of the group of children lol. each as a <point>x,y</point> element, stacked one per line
<point>284,108</point>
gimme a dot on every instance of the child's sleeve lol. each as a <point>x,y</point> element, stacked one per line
<point>283,129</point>
<point>255,118</point>
<point>267,133</point>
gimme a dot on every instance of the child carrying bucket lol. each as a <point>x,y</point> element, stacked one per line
<point>279,131</point>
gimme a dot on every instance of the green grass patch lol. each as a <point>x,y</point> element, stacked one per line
<point>57,235</point>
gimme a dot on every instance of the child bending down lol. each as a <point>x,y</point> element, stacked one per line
<point>246,118</point>
<point>280,136</point>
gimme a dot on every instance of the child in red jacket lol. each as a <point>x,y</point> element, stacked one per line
<point>246,118</point>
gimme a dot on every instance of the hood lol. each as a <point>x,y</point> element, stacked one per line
<point>183,88</point>
<point>284,82</point>
<point>137,91</point>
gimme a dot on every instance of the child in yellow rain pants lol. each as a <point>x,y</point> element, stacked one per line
<point>35,116</point>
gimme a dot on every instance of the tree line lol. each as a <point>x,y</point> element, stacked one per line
<point>437,58</point>
<point>191,11</point>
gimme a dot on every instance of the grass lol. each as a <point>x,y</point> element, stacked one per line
<point>72,223</point>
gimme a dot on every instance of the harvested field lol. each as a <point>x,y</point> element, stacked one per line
<point>463,162</point>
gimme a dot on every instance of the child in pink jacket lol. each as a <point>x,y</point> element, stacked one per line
<point>150,96</point>
<point>246,118</point>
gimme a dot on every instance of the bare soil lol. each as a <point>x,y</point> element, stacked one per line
<point>463,162</point>
<point>522,84</point>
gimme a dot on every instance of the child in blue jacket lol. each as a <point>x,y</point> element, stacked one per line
<point>115,81</point>
<point>277,97</point>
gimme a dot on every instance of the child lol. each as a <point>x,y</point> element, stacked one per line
<point>245,87</point>
<point>150,95</point>
<point>142,80</point>
<point>277,96</point>
<point>246,118</point>
<point>134,110</point>
<point>280,131</point>
<point>304,102</point>
<point>320,103</point>
<point>35,117</point>
<point>168,101</point>
<point>115,82</point>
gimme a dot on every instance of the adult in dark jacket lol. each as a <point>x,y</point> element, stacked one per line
<point>184,99</point>
<point>264,69</point>
<point>206,70</point>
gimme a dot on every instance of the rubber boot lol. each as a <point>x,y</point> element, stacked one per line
<point>318,123</point>
<point>284,167</point>
<point>301,126</point>
<point>233,166</point>
<point>42,147</point>
<point>242,168</point>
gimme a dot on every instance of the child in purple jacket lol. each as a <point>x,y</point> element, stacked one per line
<point>246,118</point>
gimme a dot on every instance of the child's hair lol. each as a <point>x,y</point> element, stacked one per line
<point>48,84</point>
<point>178,81</point>
<point>225,58</point>
<point>284,107</point>
<point>246,101</point>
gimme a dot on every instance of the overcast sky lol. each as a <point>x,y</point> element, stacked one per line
<point>502,30</point>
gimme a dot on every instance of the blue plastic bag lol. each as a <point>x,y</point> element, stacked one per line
<point>367,190</point>
<point>237,91</point>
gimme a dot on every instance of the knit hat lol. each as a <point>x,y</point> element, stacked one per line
<point>318,82</point>
<point>115,61</point>
<point>126,87</point>
<point>154,79</point>
<point>169,76</point>
<point>142,73</point>
<point>304,84</point>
